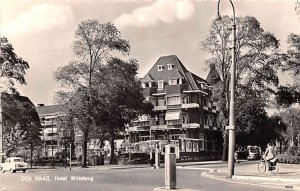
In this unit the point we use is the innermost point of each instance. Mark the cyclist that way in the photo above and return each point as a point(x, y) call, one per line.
point(270, 153)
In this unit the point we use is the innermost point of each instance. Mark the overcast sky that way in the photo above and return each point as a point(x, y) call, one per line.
point(42, 31)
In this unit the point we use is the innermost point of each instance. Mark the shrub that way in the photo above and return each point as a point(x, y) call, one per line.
point(290, 159)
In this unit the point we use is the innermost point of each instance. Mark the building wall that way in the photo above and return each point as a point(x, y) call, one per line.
point(193, 130)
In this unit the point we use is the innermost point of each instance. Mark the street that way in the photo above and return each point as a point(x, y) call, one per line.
point(112, 180)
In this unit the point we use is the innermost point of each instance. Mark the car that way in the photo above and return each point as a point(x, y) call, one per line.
point(14, 164)
point(254, 152)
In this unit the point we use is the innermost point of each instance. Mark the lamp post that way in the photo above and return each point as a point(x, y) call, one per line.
point(52, 144)
point(231, 127)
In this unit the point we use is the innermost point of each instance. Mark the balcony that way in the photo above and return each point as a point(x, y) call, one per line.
point(158, 127)
point(138, 128)
point(189, 105)
point(49, 138)
point(190, 125)
point(160, 108)
point(177, 106)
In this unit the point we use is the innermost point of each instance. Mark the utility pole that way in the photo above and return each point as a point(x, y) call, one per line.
point(231, 127)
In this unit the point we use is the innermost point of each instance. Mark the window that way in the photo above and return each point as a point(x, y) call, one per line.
point(183, 146)
point(144, 138)
point(173, 82)
point(195, 147)
point(170, 66)
point(185, 99)
point(143, 85)
point(201, 145)
point(176, 136)
point(205, 102)
point(189, 146)
point(159, 67)
point(174, 122)
point(206, 120)
point(160, 84)
point(185, 118)
point(175, 100)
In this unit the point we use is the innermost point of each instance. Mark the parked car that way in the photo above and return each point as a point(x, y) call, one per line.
point(14, 164)
point(254, 152)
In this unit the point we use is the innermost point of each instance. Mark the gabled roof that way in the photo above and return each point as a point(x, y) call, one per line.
point(176, 75)
point(165, 73)
point(51, 109)
point(147, 78)
point(178, 71)
point(17, 99)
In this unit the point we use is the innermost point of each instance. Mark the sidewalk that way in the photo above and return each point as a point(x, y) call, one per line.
point(288, 176)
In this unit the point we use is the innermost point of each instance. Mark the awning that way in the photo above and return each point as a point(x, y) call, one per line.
point(173, 115)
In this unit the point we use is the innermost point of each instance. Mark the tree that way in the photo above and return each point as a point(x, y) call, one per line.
point(13, 68)
point(94, 44)
point(31, 125)
point(21, 124)
point(297, 7)
point(290, 118)
point(122, 98)
point(256, 61)
point(292, 57)
point(288, 95)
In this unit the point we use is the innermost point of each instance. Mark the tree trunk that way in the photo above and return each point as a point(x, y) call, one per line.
point(225, 146)
point(112, 151)
point(84, 156)
point(31, 151)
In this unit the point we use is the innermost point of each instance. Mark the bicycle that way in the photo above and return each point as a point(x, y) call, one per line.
point(271, 166)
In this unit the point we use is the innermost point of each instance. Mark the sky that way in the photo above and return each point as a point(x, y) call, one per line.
point(42, 32)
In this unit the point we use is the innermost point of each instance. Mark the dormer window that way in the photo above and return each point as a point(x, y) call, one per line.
point(170, 66)
point(160, 67)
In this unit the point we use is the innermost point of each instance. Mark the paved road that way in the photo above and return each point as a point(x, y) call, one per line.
point(114, 180)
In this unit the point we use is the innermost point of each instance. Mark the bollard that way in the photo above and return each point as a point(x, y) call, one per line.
point(170, 167)
point(157, 159)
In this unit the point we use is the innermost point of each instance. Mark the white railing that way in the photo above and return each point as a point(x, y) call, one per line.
point(190, 125)
point(160, 107)
point(158, 127)
point(189, 105)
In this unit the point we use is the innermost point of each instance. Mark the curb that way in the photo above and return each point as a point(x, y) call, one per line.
point(177, 189)
point(236, 178)
point(272, 179)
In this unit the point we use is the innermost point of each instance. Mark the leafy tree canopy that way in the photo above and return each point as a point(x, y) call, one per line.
point(292, 58)
point(257, 59)
point(21, 123)
point(12, 67)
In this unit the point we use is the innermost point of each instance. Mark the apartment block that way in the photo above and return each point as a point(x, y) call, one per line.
point(185, 113)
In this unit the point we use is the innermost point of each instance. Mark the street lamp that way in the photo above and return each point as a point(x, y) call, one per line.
point(52, 143)
point(231, 127)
